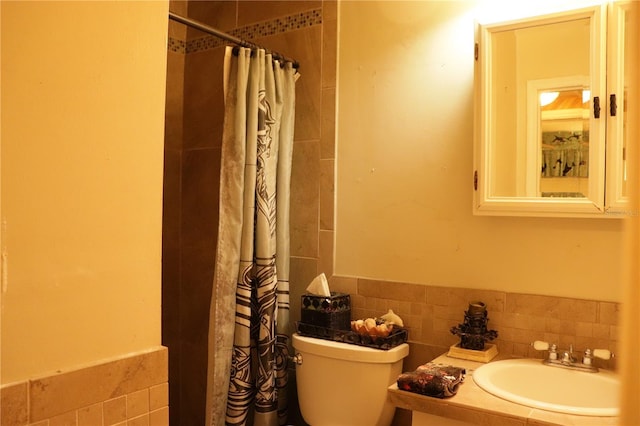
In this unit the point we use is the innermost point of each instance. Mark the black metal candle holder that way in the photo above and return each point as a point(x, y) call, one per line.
point(473, 332)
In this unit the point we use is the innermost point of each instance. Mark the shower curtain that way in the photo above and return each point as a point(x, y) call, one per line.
point(249, 320)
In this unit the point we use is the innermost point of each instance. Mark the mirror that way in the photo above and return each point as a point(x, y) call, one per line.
point(542, 111)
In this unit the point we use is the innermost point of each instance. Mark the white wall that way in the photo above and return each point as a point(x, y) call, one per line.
point(404, 167)
point(83, 88)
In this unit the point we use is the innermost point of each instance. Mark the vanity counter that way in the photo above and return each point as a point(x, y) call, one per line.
point(472, 405)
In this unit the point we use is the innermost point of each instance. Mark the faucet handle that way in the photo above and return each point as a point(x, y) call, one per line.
point(602, 353)
point(539, 345)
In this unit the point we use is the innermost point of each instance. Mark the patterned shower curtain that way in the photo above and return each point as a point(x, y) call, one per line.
point(249, 319)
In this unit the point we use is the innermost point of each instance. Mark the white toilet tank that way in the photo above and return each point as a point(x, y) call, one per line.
point(341, 384)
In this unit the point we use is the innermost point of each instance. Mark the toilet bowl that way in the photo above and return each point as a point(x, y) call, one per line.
point(341, 384)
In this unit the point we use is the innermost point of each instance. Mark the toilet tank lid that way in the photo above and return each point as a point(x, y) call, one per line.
point(346, 351)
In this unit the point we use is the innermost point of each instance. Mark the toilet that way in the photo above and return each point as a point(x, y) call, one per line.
point(341, 384)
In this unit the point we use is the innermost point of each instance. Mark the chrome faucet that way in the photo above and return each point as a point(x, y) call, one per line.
point(567, 359)
point(567, 356)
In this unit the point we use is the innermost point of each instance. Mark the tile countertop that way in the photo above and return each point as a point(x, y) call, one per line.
point(474, 405)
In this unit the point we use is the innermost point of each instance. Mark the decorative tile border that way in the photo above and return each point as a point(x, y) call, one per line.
point(176, 45)
point(250, 32)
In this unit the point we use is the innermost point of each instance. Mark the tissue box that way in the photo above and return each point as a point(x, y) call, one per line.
point(330, 312)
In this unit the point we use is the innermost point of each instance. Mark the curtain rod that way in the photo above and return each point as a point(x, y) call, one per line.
point(235, 40)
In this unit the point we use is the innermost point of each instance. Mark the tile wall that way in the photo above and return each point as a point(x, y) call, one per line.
point(429, 313)
point(127, 391)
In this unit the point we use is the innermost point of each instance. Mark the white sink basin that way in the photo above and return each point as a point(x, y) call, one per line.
point(531, 383)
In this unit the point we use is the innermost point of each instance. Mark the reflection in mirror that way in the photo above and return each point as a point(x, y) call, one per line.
point(564, 143)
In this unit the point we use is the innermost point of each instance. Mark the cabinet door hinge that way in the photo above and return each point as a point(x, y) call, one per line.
point(475, 180)
point(613, 105)
point(476, 51)
point(596, 107)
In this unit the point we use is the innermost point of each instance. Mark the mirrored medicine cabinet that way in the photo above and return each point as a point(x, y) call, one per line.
point(553, 95)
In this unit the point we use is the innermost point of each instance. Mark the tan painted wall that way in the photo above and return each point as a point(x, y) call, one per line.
point(404, 168)
point(83, 88)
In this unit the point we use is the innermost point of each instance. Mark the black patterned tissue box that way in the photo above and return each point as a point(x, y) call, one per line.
point(332, 312)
